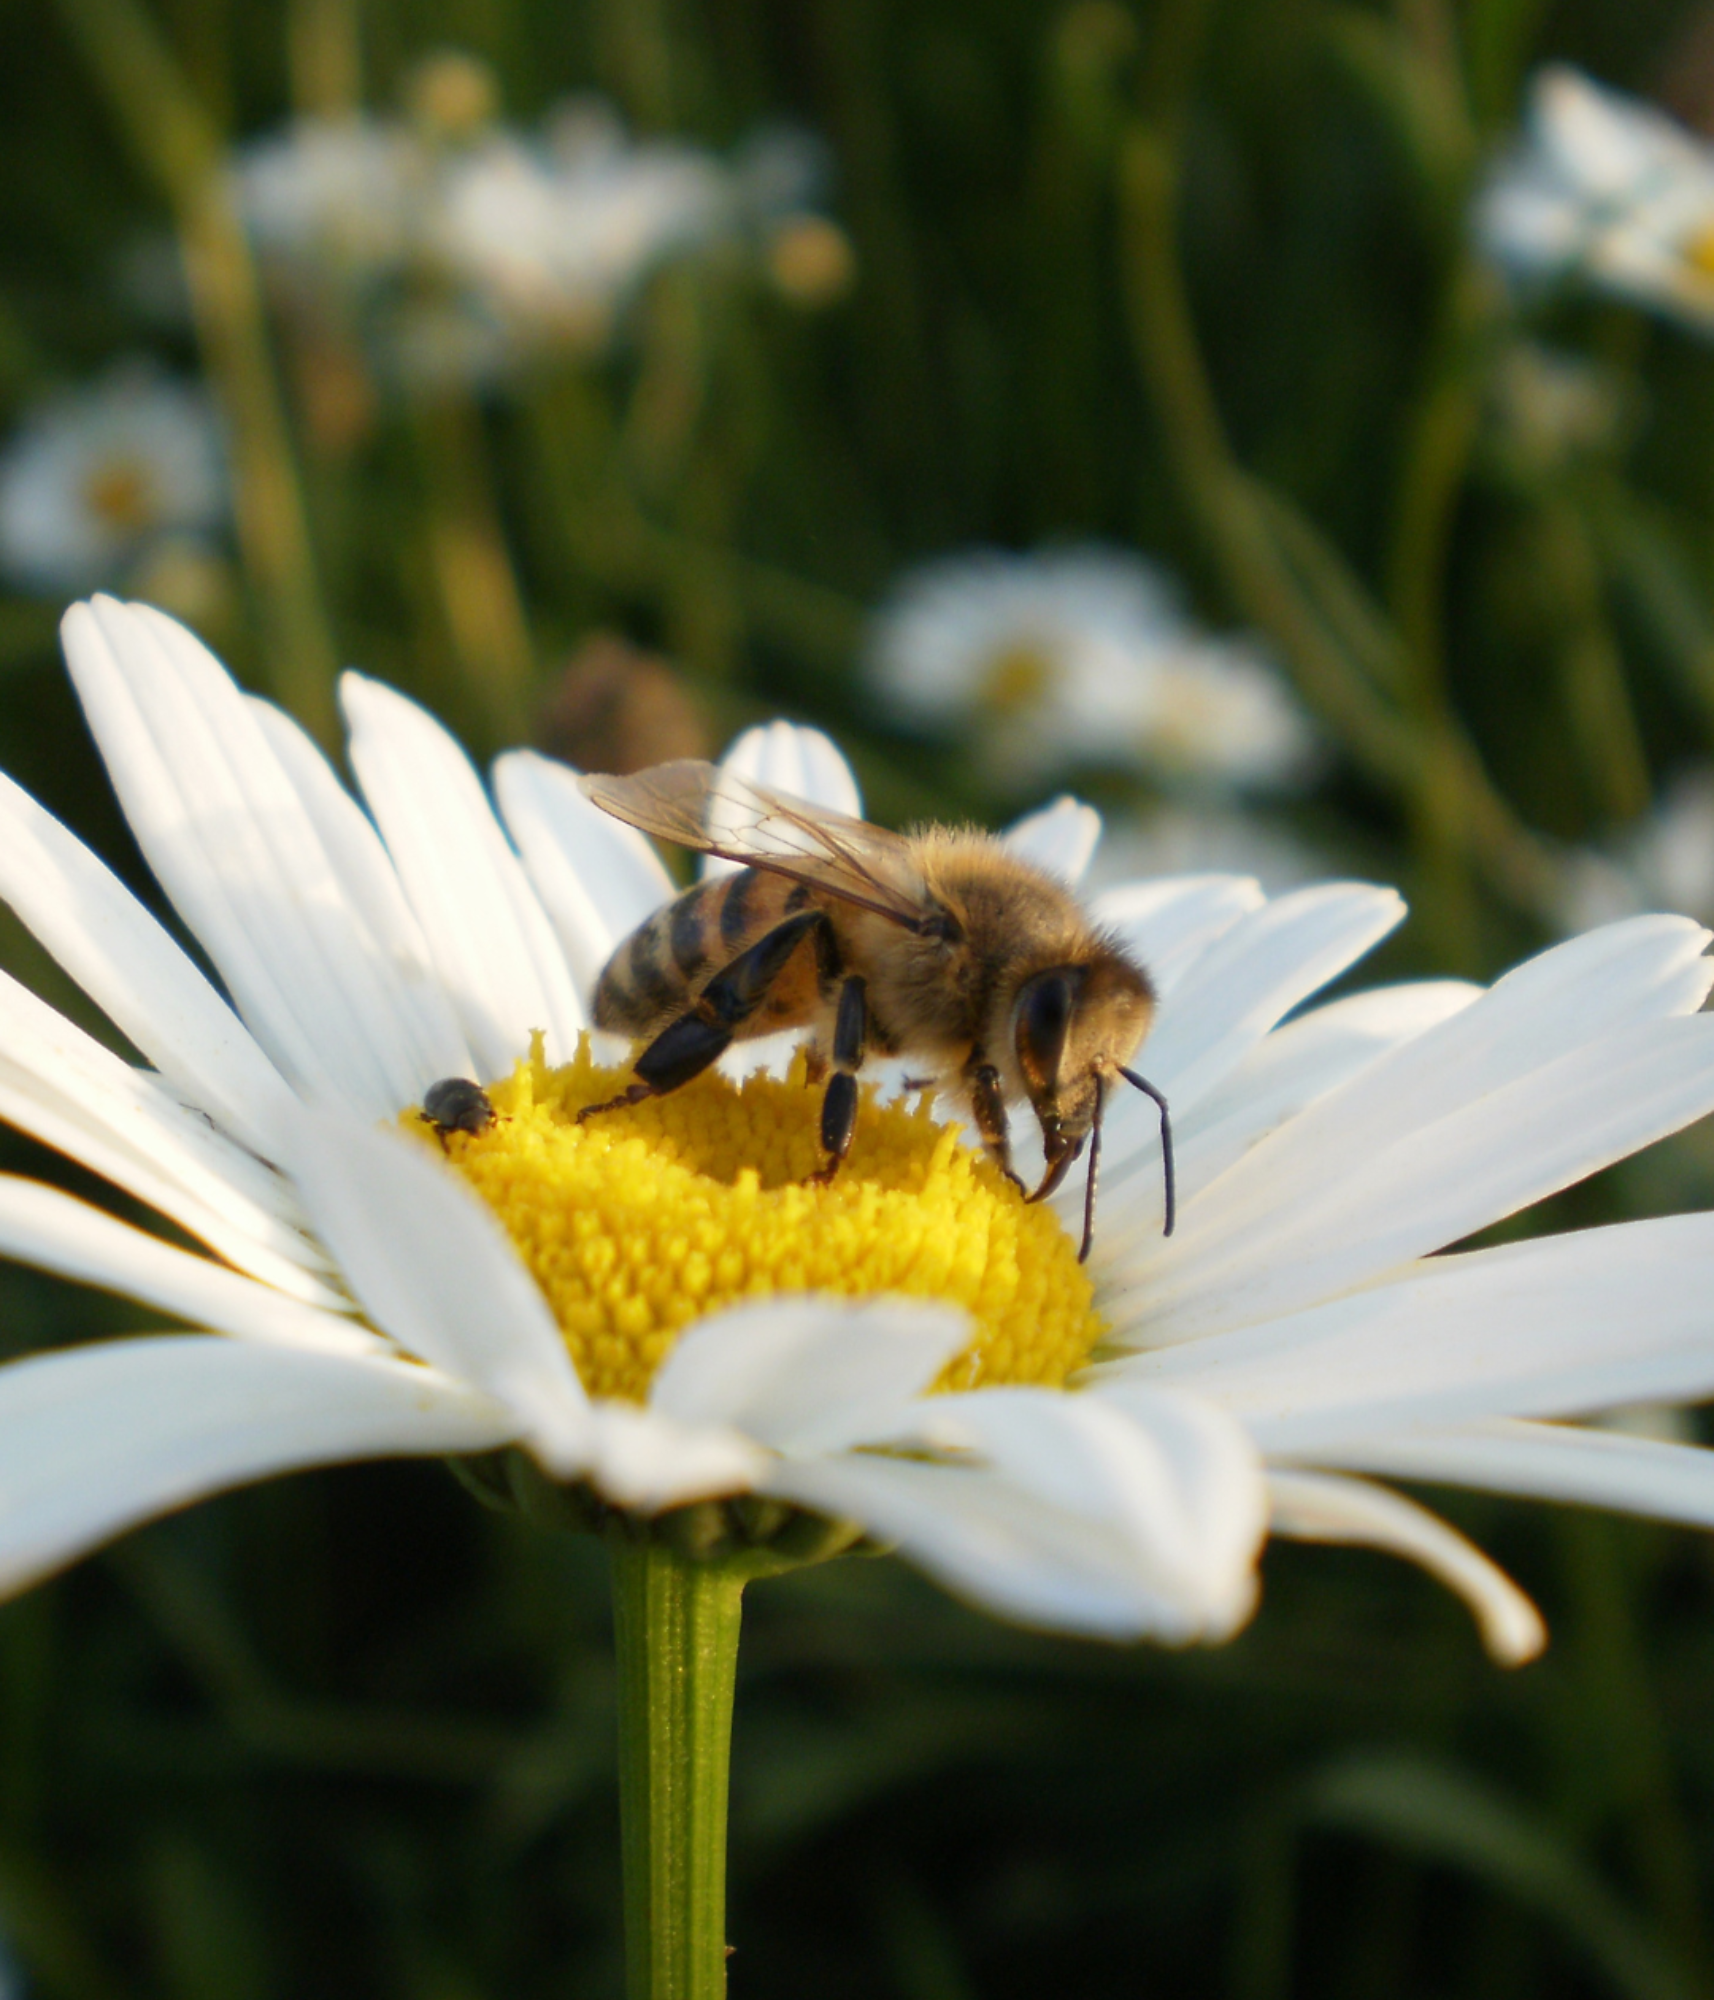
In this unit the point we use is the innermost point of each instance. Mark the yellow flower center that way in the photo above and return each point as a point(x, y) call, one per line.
point(122, 494)
point(1698, 252)
point(650, 1217)
point(1017, 679)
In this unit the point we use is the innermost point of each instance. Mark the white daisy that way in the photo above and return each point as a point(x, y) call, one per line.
point(101, 478)
point(1608, 189)
point(368, 1301)
point(328, 197)
point(1664, 862)
point(1081, 656)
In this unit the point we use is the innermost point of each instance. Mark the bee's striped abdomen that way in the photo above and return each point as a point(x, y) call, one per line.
point(667, 960)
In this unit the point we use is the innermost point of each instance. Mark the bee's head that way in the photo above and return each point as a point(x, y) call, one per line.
point(1072, 1027)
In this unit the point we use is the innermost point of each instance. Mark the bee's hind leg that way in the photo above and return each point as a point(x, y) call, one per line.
point(839, 1106)
point(686, 1047)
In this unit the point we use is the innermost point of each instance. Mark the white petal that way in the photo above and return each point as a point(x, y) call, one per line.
point(787, 757)
point(1281, 1077)
point(54, 1232)
point(431, 1045)
point(432, 1267)
point(1591, 1468)
point(1563, 1067)
point(1550, 1327)
point(643, 1460)
point(1060, 838)
point(94, 1440)
point(597, 878)
point(992, 1542)
point(228, 837)
point(492, 945)
point(807, 1375)
point(128, 965)
point(66, 1090)
point(1176, 1479)
point(1311, 1508)
point(1253, 976)
point(1172, 922)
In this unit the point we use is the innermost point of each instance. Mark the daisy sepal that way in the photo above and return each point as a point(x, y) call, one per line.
point(430, 1264)
point(492, 946)
point(1548, 1461)
point(98, 1439)
point(1496, 1108)
point(228, 838)
point(431, 1045)
point(1320, 1507)
point(63, 1088)
point(598, 878)
point(1060, 839)
point(1549, 1327)
point(121, 956)
point(56, 1232)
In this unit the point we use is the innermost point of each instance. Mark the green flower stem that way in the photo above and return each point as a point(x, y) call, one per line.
point(675, 1623)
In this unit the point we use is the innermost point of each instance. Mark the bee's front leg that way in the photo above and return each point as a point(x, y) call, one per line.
point(686, 1047)
point(988, 1107)
point(839, 1106)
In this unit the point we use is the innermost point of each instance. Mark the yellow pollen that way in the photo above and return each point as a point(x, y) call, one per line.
point(657, 1214)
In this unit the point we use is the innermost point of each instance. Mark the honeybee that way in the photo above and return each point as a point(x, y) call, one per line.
point(940, 945)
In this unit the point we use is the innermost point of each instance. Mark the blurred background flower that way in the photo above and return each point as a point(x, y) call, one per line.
point(1081, 658)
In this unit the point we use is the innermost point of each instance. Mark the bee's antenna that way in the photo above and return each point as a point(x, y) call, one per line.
point(1139, 1083)
point(1094, 1163)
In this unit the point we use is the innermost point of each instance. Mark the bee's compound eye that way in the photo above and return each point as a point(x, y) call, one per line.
point(1044, 1024)
point(455, 1104)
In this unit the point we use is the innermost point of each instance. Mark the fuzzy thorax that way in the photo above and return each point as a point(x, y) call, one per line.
point(650, 1217)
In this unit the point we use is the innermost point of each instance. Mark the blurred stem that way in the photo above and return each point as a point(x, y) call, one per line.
point(613, 540)
point(675, 1625)
point(1423, 757)
point(180, 149)
point(1636, 1759)
point(1603, 722)
point(472, 564)
point(325, 52)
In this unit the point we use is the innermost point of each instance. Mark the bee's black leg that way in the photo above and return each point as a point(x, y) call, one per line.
point(839, 1106)
point(686, 1047)
point(988, 1105)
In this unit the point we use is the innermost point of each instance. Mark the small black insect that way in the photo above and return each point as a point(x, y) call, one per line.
point(455, 1104)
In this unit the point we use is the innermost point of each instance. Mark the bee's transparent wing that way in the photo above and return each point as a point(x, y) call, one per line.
point(700, 806)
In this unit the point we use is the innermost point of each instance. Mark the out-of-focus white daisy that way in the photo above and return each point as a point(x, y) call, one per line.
point(100, 478)
point(1081, 656)
point(476, 243)
point(553, 237)
point(1665, 862)
point(334, 200)
point(1608, 190)
point(656, 1304)
point(1205, 840)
